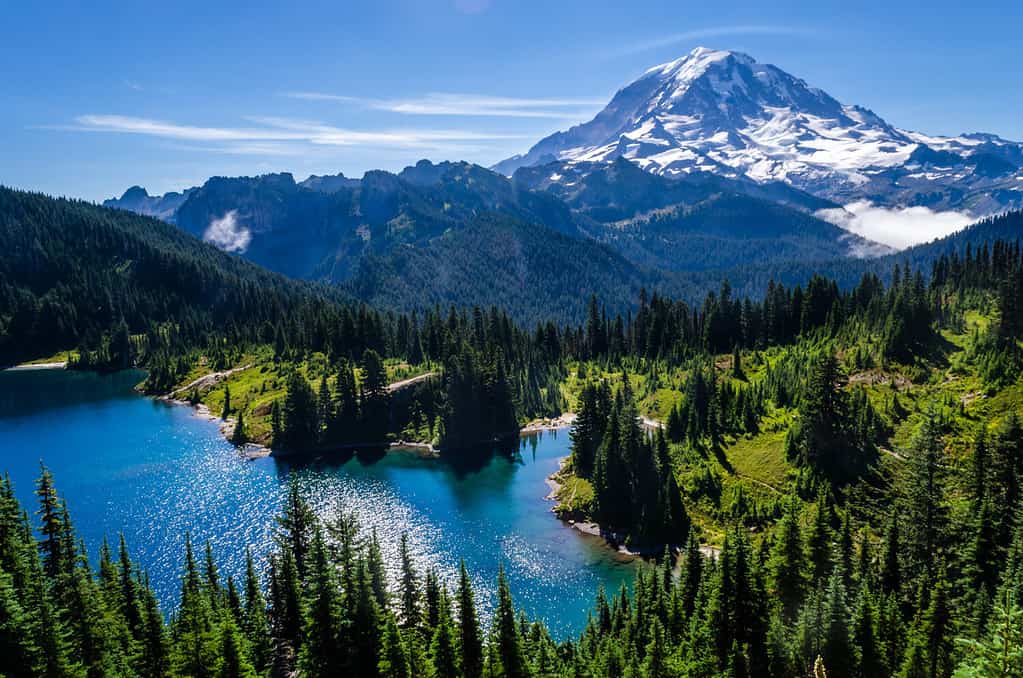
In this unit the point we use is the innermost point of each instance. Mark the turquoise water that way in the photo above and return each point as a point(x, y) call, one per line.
point(154, 472)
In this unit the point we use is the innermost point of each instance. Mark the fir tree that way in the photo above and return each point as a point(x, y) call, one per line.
point(787, 562)
point(443, 646)
point(411, 612)
point(393, 658)
point(469, 639)
point(256, 625)
point(226, 412)
point(506, 639)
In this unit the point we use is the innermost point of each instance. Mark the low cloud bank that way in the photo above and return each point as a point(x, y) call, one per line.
point(899, 227)
point(227, 234)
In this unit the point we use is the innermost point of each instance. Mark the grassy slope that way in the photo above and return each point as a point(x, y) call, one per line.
point(755, 465)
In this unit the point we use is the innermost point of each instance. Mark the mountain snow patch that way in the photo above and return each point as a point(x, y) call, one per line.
point(725, 113)
point(227, 234)
point(899, 227)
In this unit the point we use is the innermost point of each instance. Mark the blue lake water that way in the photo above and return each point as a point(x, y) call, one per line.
point(154, 471)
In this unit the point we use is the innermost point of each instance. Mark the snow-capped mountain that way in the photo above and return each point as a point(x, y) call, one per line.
point(723, 112)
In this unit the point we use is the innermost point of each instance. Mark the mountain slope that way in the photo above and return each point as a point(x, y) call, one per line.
point(137, 199)
point(530, 271)
point(323, 228)
point(72, 271)
point(451, 233)
point(725, 113)
point(752, 279)
point(695, 222)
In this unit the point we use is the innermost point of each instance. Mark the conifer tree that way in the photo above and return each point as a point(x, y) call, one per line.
point(925, 503)
point(737, 372)
point(323, 635)
point(787, 562)
point(393, 658)
point(256, 625)
point(469, 639)
point(239, 436)
point(411, 612)
point(655, 663)
point(374, 396)
point(818, 543)
point(296, 524)
point(443, 650)
point(195, 643)
point(233, 662)
point(52, 529)
point(506, 638)
point(930, 648)
point(366, 625)
point(891, 568)
point(864, 630)
point(287, 601)
point(837, 647)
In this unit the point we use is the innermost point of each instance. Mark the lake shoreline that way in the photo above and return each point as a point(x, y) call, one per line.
point(248, 450)
point(610, 539)
point(563, 420)
point(257, 451)
point(141, 466)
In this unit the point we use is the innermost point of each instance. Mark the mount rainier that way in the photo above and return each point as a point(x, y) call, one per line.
point(722, 112)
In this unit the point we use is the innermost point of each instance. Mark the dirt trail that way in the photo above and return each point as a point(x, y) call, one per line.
point(762, 483)
point(211, 379)
point(891, 453)
point(405, 383)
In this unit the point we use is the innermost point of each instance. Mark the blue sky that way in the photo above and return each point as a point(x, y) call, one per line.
point(95, 97)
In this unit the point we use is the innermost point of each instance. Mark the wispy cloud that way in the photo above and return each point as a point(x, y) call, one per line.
point(472, 6)
point(124, 124)
point(282, 136)
point(256, 148)
point(449, 104)
point(710, 32)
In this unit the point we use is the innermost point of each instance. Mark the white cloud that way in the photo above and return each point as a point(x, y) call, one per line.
point(272, 135)
point(478, 105)
point(711, 32)
point(169, 130)
point(899, 227)
point(227, 234)
point(322, 134)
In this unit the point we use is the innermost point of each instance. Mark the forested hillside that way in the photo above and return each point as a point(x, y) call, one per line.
point(753, 279)
point(428, 233)
point(533, 273)
point(74, 275)
point(117, 290)
point(828, 488)
point(693, 222)
point(835, 469)
point(845, 455)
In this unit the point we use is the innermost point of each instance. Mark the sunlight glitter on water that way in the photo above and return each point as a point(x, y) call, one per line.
point(155, 472)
